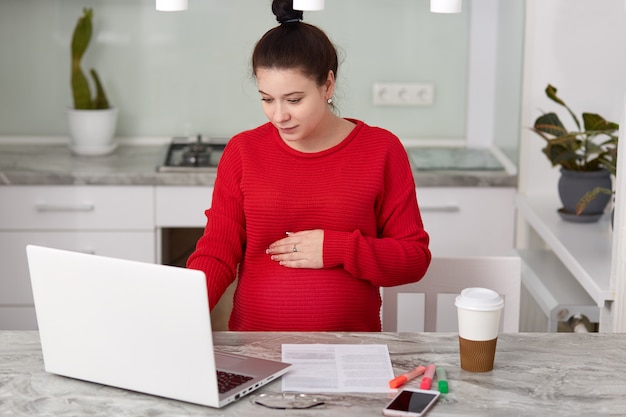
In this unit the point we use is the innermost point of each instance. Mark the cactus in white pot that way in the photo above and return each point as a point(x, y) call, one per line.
point(92, 121)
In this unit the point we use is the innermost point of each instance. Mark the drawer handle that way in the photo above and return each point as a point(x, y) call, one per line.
point(446, 208)
point(48, 208)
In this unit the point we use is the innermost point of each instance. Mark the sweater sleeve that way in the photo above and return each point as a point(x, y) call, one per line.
point(219, 251)
point(399, 254)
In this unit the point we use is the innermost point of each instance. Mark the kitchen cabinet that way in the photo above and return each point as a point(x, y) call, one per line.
point(133, 222)
point(460, 220)
point(468, 221)
point(179, 220)
point(182, 206)
point(113, 221)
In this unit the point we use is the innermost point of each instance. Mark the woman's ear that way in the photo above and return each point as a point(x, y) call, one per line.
point(330, 84)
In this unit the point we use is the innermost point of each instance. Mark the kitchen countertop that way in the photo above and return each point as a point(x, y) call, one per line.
point(535, 374)
point(135, 164)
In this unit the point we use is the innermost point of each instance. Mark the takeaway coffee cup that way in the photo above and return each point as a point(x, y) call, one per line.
point(479, 311)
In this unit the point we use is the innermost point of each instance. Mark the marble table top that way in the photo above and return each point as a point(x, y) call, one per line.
point(536, 374)
point(136, 164)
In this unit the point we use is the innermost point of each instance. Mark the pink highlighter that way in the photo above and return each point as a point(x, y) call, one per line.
point(427, 380)
point(404, 378)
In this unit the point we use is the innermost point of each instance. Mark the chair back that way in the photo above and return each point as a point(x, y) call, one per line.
point(428, 305)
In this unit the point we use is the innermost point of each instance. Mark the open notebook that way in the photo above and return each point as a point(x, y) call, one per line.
point(134, 325)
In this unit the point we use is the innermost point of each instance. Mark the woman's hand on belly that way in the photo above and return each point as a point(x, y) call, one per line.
point(299, 249)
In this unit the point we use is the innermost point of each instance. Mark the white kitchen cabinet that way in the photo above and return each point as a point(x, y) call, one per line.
point(104, 220)
point(180, 220)
point(468, 221)
point(178, 206)
point(77, 207)
point(460, 220)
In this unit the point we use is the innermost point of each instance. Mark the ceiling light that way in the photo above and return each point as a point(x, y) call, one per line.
point(171, 5)
point(446, 6)
point(308, 4)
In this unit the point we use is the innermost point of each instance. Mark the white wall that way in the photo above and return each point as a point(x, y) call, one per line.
point(508, 81)
point(482, 72)
point(579, 46)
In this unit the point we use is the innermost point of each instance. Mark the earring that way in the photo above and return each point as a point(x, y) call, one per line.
point(330, 101)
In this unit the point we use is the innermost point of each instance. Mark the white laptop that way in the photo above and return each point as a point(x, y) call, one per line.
point(139, 326)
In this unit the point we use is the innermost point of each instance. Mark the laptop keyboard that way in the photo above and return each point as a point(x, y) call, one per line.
point(227, 380)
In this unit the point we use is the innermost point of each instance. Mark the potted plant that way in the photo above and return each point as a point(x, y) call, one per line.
point(92, 121)
point(587, 157)
point(611, 166)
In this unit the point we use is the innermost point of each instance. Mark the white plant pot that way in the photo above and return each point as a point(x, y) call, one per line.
point(92, 131)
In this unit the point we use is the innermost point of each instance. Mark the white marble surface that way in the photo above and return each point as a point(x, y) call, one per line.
point(536, 374)
point(453, 158)
point(130, 164)
point(56, 165)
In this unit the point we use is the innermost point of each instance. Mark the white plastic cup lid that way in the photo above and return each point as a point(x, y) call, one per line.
point(479, 299)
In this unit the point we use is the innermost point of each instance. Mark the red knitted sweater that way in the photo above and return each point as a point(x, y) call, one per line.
point(360, 192)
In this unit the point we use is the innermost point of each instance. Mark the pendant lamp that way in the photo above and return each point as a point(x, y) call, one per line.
point(446, 6)
point(171, 5)
point(308, 4)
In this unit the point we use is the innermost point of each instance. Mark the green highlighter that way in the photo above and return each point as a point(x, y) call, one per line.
point(442, 380)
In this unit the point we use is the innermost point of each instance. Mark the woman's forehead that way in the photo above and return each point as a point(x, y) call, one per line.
point(281, 80)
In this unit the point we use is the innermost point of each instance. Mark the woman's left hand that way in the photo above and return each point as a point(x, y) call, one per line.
point(299, 249)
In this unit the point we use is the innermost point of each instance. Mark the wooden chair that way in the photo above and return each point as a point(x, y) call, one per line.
point(428, 305)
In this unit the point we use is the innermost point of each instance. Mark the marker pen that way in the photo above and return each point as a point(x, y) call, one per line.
point(442, 380)
point(427, 380)
point(406, 377)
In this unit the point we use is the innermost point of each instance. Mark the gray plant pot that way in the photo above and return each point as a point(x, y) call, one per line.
point(574, 184)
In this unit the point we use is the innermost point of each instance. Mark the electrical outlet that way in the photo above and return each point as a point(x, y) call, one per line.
point(403, 94)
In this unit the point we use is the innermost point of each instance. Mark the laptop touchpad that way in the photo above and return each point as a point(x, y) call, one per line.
point(227, 361)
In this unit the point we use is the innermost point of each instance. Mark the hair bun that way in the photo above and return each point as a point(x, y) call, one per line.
point(284, 12)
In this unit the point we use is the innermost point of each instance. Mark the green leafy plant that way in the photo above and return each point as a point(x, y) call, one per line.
point(80, 85)
point(589, 149)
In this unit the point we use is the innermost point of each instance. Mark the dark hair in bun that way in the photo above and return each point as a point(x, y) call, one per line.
point(284, 12)
point(295, 45)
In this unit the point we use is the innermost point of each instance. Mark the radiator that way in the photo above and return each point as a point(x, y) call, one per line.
point(551, 298)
